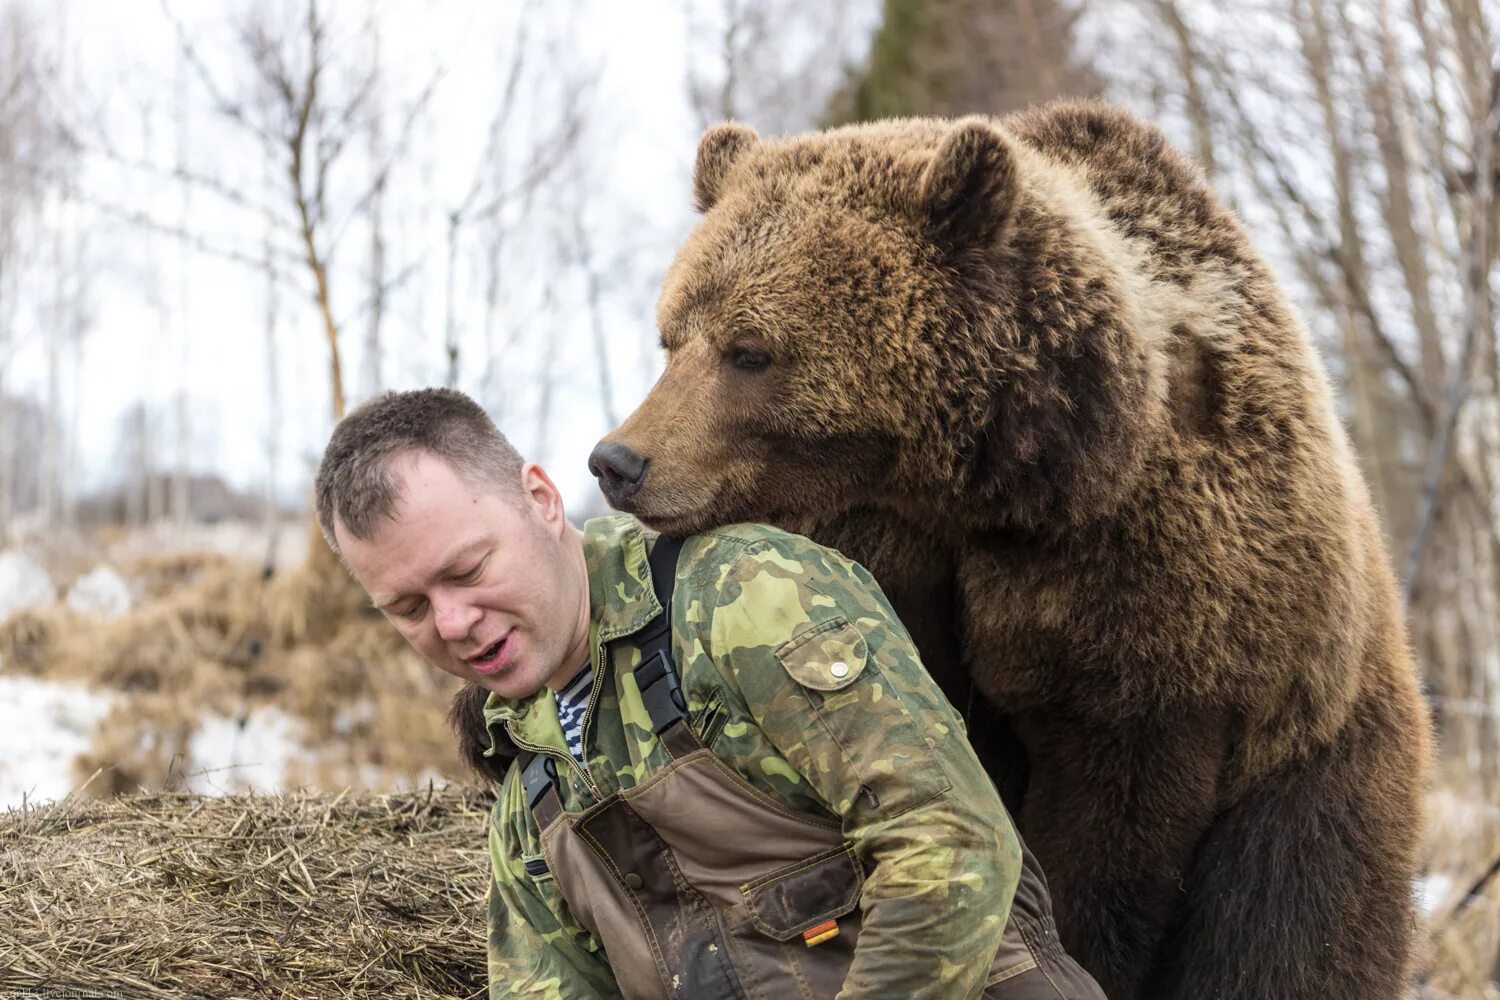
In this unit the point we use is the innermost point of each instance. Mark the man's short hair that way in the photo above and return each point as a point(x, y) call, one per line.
point(354, 482)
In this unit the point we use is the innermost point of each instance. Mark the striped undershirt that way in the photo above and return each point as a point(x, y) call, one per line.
point(571, 701)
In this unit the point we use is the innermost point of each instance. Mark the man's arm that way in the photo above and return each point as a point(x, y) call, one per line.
point(833, 680)
point(535, 948)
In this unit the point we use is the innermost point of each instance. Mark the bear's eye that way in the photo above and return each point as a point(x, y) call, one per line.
point(750, 359)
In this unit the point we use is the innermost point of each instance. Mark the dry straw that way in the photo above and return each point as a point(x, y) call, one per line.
point(213, 636)
point(297, 896)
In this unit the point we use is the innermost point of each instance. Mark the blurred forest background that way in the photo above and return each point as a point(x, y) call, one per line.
point(221, 225)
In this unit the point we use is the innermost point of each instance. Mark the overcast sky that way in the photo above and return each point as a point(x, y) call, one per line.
point(159, 315)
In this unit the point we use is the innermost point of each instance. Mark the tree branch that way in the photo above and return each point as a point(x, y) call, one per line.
point(1477, 317)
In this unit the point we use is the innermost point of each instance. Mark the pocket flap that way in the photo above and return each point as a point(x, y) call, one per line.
point(790, 900)
point(827, 657)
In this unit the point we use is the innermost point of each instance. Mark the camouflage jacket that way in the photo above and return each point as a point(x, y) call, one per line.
point(886, 756)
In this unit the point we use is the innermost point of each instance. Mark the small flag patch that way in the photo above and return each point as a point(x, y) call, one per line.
point(817, 935)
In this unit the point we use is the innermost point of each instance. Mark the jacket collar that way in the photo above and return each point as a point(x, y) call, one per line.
point(621, 602)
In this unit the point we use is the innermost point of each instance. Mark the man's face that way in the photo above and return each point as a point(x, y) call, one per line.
point(488, 587)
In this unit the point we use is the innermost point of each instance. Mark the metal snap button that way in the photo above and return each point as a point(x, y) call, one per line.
point(633, 881)
point(839, 669)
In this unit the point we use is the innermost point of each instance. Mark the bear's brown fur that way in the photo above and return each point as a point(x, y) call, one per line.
point(1032, 374)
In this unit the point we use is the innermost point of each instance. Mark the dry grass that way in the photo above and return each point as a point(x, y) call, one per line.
point(1463, 844)
point(213, 637)
point(297, 896)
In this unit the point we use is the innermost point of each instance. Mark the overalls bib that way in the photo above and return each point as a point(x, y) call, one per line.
point(700, 885)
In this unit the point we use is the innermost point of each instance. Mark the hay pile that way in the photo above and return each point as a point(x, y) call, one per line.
point(213, 637)
point(297, 896)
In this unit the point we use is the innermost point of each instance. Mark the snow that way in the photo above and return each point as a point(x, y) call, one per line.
point(251, 753)
point(24, 583)
point(1433, 892)
point(43, 726)
point(100, 592)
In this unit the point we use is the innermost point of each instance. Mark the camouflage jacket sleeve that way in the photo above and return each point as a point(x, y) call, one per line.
point(535, 948)
point(831, 676)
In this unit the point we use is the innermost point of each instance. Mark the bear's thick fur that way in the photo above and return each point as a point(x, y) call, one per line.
point(1032, 374)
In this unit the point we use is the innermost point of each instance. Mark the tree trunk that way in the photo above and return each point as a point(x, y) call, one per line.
point(450, 320)
point(272, 515)
point(1188, 68)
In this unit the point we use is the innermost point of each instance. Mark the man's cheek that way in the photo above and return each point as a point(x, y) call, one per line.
point(424, 642)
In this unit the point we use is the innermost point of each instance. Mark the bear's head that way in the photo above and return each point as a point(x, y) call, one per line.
point(890, 315)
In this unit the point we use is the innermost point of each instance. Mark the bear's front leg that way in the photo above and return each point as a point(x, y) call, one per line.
point(1113, 812)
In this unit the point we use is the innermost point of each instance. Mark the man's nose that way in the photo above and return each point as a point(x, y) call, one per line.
point(455, 620)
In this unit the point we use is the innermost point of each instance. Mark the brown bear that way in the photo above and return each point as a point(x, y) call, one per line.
point(1031, 373)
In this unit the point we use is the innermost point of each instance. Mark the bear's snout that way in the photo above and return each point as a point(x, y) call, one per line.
point(619, 469)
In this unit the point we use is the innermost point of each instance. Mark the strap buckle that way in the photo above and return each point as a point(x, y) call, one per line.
point(661, 691)
point(537, 777)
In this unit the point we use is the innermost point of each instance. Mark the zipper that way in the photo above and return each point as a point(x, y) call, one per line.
point(588, 716)
point(600, 669)
point(550, 752)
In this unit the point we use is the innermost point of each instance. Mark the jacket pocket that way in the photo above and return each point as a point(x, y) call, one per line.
point(790, 900)
point(878, 750)
point(710, 720)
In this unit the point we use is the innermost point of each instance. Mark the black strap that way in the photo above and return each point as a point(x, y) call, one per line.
point(663, 561)
point(656, 676)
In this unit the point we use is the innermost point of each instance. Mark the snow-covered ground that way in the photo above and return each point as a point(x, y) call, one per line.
point(24, 582)
point(43, 726)
point(234, 755)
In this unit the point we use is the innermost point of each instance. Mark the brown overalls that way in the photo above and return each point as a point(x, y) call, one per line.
point(700, 885)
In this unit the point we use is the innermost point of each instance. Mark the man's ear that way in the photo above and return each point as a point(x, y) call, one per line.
point(539, 491)
point(717, 151)
point(968, 190)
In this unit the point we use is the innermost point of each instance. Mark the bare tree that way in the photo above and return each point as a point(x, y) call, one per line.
point(313, 130)
point(772, 63)
point(23, 150)
point(308, 101)
point(521, 155)
point(64, 317)
point(272, 514)
point(377, 153)
point(177, 324)
point(1367, 147)
point(578, 250)
point(1188, 68)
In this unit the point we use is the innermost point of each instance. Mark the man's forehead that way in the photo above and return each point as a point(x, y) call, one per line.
point(415, 469)
point(434, 518)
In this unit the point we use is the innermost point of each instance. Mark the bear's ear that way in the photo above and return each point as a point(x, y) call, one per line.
point(717, 151)
point(968, 189)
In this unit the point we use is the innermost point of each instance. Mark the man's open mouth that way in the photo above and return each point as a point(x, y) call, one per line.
point(494, 657)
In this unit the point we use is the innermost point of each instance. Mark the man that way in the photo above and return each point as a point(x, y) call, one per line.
point(757, 792)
